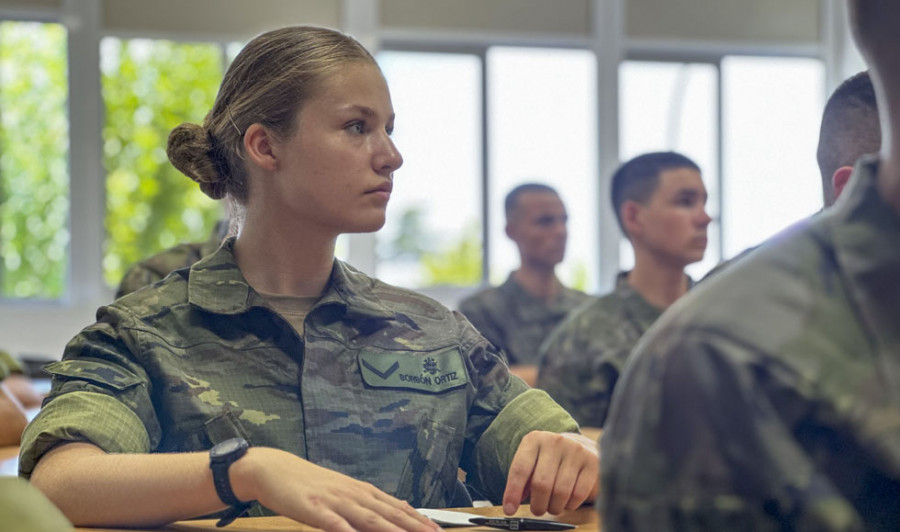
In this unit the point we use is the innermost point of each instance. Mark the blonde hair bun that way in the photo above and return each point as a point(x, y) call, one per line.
point(191, 151)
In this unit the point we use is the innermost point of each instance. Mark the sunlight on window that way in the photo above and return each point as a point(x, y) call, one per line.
point(672, 106)
point(432, 235)
point(542, 117)
point(772, 110)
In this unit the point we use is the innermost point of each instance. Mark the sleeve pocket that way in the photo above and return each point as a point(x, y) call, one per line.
point(107, 376)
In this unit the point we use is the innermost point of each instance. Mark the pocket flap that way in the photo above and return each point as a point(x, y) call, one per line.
point(430, 372)
point(105, 375)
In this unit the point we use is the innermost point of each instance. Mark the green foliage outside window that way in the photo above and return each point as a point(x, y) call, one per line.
point(149, 87)
point(34, 174)
point(453, 261)
point(459, 263)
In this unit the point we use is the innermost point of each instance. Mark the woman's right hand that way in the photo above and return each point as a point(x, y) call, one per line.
point(296, 488)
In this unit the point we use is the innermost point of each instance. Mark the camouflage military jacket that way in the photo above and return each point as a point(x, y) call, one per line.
point(515, 321)
point(582, 358)
point(769, 397)
point(156, 267)
point(385, 385)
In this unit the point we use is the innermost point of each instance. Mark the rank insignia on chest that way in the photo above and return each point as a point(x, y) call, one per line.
point(431, 372)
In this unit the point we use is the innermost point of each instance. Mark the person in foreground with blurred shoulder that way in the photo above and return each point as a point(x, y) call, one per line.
point(769, 397)
point(518, 315)
point(660, 204)
point(270, 376)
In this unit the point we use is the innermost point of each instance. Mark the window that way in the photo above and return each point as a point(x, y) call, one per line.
point(432, 235)
point(673, 106)
point(34, 175)
point(542, 114)
point(539, 131)
point(772, 108)
point(149, 87)
point(770, 113)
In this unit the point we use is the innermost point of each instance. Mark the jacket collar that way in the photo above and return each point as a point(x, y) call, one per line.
point(217, 285)
point(638, 308)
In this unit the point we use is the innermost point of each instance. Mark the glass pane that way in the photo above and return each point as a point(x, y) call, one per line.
point(432, 235)
point(34, 173)
point(542, 117)
point(149, 87)
point(672, 106)
point(772, 110)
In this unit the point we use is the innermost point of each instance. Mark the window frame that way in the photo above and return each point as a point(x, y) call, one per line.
point(86, 289)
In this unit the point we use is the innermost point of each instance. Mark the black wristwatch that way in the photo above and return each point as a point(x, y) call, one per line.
point(221, 456)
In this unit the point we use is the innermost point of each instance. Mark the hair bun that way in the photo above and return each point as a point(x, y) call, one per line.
point(190, 150)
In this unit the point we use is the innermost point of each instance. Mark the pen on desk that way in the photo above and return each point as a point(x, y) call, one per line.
point(520, 523)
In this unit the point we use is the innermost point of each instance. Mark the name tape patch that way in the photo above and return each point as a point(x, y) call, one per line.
point(433, 372)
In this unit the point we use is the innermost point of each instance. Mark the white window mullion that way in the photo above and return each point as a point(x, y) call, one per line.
point(608, 24)
point(82, 19)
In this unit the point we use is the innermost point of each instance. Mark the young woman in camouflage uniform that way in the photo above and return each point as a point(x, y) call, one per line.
point(359, 399)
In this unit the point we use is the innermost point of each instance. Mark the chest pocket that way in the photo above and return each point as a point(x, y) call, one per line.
point(434, 372)
point(429, 384)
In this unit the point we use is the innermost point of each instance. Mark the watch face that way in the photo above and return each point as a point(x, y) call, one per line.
point(227, 447)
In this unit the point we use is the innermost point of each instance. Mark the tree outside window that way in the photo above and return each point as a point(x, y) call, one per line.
point(34, 175)
point(149, 87)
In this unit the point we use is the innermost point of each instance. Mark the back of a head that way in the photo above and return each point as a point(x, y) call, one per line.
point(637, 179)
point(850, 129)
point(512, 199)
point(267, 83)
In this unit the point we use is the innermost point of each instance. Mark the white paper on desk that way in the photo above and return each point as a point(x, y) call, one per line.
point(448, 518)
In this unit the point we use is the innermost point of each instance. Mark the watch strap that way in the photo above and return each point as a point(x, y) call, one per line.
point(223, 483)
point(233, 513)
point(219, 464)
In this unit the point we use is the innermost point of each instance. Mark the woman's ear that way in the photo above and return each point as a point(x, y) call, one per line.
point(258, 145)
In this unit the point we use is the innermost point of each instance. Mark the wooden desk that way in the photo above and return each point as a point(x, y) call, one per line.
point(593, 433)
point(9, 461)
point(585, 517)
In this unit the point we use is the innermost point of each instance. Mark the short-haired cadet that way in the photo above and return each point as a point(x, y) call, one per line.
point(768, 399)
point(659, 200)
point(518, 315)
point(849, 130)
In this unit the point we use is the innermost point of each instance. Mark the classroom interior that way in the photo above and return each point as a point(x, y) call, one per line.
point(488, 94)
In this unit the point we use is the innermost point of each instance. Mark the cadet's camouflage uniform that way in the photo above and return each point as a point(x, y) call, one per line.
point(582, 358)
point(157, 267)
point(769, 397)
point(386, 385)
point(515, 321)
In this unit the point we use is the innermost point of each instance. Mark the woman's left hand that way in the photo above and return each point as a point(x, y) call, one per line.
point(558, 471)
